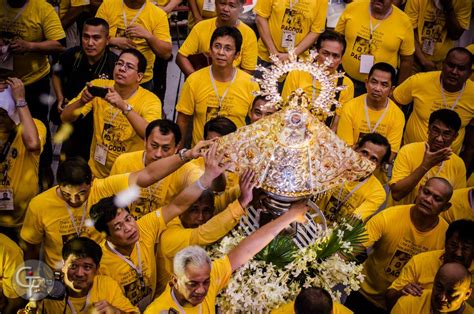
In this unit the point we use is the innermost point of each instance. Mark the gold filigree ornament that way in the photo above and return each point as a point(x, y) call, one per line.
point(293, 153)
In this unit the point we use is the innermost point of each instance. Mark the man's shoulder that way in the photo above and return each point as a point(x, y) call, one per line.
point(399, 16)
point(394, 212)
point(69, 56)
point(428, 257)
point(412, 147)
point(38, 202)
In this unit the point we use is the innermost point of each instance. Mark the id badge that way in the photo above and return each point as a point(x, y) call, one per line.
point(6, 58)
point(366, 63)
point(428, 46)
point(209, 5)
point(288, 39)
point(100, 154)
point(6, 198)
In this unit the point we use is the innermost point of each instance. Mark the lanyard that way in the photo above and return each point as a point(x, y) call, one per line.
point(437, 172)
point(134, 18)
point(4, 154)
point(373, 28)
point(180, 308)
point(292, 4)
point(455, 103)
point(71, 306)
point(17, 15)
point(221, 99)
point(351, 192)
point(73, 220)
point(139, 268)
point(366, 109)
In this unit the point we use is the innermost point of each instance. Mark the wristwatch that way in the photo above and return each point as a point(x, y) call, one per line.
point(21, 103)
point(127, 110)
point(181, 154)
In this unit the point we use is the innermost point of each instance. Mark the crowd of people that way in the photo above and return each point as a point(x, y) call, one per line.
point(98, 69)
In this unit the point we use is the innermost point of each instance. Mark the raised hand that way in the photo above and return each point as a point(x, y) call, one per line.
point(247, 182)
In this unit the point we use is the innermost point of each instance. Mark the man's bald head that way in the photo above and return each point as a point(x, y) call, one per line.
point(451, 288)
point(433, 197)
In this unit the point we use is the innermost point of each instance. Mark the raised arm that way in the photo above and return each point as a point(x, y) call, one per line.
point(71, 111)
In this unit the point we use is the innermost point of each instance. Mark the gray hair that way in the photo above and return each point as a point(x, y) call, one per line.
point(194, 255)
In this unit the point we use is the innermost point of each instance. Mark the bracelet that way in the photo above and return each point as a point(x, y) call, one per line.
point(199, 184)
point(181, 154)
point(21, 103)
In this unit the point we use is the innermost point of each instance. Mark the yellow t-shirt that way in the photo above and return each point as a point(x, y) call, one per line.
point(47, 219)
point(366, 198)
point(410, 157)
point(304, 80)
point(65, 5)
point(289, 308)
point(150, 227)
point(430, 23)
point(221, 273)
point(426, 100)
point(410, 304)
point(176, 237)
point(11, 257)
point(198, 99)
point(471, 49)
point(353, 125)
point(306, 16)
point(393, 37)
point(393, 246)
point(162, 192)
point(104, 288)
point(38, 22)
point(207, 12)
point(22, 167)
point(461, 207)
point(113, 130)
point(152, 18)
point(198, 41)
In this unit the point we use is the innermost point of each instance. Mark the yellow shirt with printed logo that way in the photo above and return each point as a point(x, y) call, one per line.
point(221, 273)
point(198, 41)
point(38, 22)
point(391, 38)
point(162, 192)
point(198, 99)
point(461, 207)
point(410, 157)
point(364, 201)
point(47, 219)
point(426, 100)
point(150, 227)
point(430, 23)
point(289, 308)
point(152, 18)
point(177, 237)
point(22, 167)
point(304, 80)
point(393, 246)
point(306, 16)
point(353, 125)
point(113, 130)
point(104, 288)
point(11, 257)
point(205, 11)
point(410, 304)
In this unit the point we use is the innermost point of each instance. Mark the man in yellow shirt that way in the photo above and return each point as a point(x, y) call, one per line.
point(197, 42)
point(364, 197)
point(141, 25)
point(86, 290)
point(62, 212)
point(329, 44)
point(197, 280)
point(374, 111)
point(121, 112)
point(451, 289)
point(416, 162)
point(419, 273)
point(462, 206)
point(129, 255)
point(259, 109)
point(375, 31)
point(161, 141)
point(437, 25)
point(11, 257)
point(21, 141)
point(284, 24)
point(449, 89)
point(418, 228)
point(218, 90)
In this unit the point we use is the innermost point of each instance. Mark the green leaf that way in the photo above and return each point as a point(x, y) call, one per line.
point(280, 252)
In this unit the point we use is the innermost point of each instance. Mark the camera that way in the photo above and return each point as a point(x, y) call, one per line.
point(58, 291)
point(98, 91)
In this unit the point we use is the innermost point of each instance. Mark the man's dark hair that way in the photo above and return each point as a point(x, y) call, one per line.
point(141, 58)
point(464, 230)
point(165, 126)
point(82, 247)
point(313, 300)
point(104, 212)
point(228, 31)
point(384, 67)
point(330, 35)
point(448, 117)
point(74, 171)
point(464, 51)
point(97, 21)
point(221, 125)
point(377, 139)
point(257, 98)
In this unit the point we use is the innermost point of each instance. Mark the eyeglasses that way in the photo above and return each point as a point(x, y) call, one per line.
point(435, 132)
point(127, 66)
